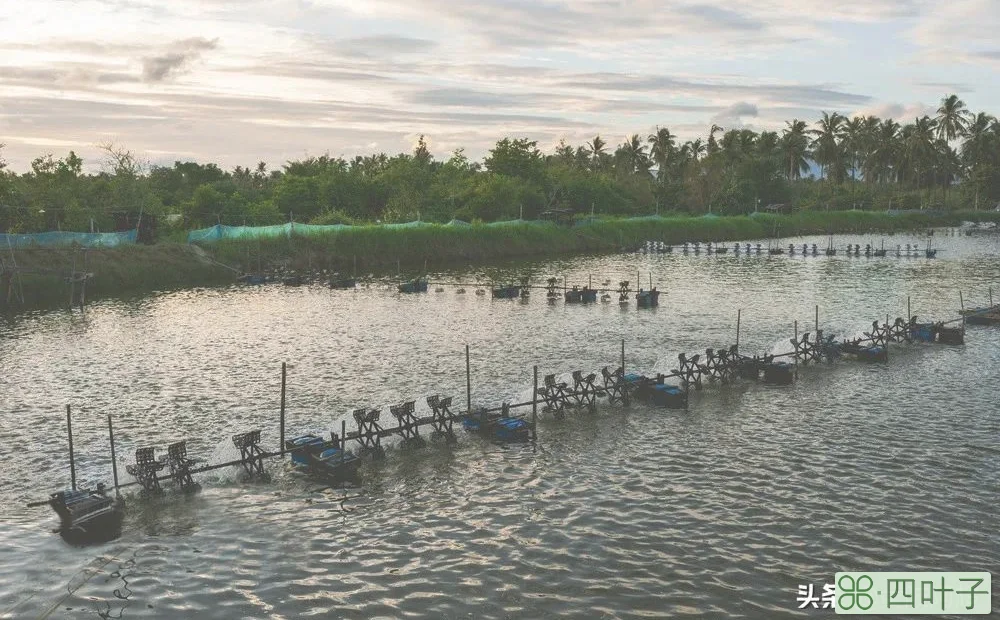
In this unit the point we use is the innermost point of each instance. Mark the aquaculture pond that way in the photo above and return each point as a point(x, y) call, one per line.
point(722, 510)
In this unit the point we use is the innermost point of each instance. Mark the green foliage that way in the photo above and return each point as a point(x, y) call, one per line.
point(951, 161)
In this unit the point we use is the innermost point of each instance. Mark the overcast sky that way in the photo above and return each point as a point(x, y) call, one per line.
point(272, 80)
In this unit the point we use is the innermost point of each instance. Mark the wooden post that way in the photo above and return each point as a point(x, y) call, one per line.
point(638, 281)
point(908, 314)
point(817, 319)
point(534, 406)
point(468, 382)
point(796, 350)
point(72, 460)
point(282, 415)
point(590, 283)
point(961, 303)
point(650, 280)
point(114, 459)
point(623, 358)
point(739, 312)
point(991, 297)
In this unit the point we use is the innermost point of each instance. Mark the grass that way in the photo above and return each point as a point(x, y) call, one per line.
point(374, 248)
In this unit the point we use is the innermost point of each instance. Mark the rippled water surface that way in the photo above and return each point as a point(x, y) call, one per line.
point(719, 511)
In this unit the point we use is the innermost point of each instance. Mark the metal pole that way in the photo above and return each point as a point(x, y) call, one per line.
point(114, 459)
point(908, 314)
point(534, 406)
point(343, 435)
point(72, 460)
point(623, 358)
point(281, 446)
point(468, 382)
point(991, 297)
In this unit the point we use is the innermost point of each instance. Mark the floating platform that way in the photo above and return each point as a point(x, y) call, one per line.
point(417, 285)
point(982, 316)
point(88, 516)
point(576, 295)
point(343, 283)
point(506, 292)
point(323, 459)
point(647, 299)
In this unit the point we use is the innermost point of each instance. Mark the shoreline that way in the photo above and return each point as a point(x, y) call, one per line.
point(141, 269)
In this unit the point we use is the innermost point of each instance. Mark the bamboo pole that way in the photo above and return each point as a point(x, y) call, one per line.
point(281, 434)
point(468, 382)
point(114, 459)
point(72, 459)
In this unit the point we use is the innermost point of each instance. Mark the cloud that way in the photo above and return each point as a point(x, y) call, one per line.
point(176, 58)
point(385, 45)
point(734, 113)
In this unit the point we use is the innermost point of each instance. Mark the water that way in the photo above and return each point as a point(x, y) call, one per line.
point(719, 511)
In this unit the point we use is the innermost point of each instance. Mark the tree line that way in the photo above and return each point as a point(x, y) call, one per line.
point(950, 160)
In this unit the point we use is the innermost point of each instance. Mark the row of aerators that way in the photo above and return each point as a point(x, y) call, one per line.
point(869, 250)
point(89, 515)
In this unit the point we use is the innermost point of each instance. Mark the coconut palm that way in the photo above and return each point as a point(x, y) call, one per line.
point(696, 148)
point(661, 150)
point(795, 149)
point(713, 146)
point(952, 118)
point(827, 148)
point(882, 164)
point(631, 156)
point(979, 145)
point(596, 149)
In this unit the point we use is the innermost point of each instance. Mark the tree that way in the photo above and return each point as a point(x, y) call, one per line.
point(519, 158)
point(795, 149)
point(661, 149)
point(595, 148)
point(827, 149)
point(952, 119)
point(421, 154)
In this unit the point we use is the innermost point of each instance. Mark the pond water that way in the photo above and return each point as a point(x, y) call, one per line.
point(718, 511)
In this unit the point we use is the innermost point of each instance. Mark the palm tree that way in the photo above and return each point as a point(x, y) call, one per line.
point(883, 162)
point(854, 143)
point(795, 148)
point(596, 149)
point(827, 148)
point(919, 152)
point(696, 148)
point(713, 146)
point(632, 155)
point(952, 118)
point(978, 148)
point(661, 150)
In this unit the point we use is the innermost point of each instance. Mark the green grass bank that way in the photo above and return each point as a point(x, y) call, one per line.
point(136, 270)
point(375, 249)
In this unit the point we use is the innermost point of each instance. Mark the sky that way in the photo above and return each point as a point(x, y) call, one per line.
point(275, 80)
